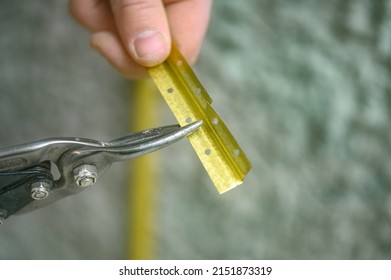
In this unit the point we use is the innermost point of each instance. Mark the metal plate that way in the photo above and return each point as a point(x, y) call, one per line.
point(214, 144)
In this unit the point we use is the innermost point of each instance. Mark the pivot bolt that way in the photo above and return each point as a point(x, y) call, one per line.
point(85, 175)
point(40, 190)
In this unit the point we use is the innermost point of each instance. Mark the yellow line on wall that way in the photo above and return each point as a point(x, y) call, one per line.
point(142, 181)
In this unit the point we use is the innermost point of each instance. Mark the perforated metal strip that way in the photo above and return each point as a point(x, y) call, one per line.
point(214, 144)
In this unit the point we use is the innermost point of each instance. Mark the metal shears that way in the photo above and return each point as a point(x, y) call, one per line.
point(39, 173)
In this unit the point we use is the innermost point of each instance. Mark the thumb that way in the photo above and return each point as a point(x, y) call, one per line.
point(143, 28)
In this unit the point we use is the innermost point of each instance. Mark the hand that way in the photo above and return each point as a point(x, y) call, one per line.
point(134, 34)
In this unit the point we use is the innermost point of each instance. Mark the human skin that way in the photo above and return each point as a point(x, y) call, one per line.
point(135, 34)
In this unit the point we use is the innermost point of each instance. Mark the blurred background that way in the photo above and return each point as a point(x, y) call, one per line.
point(304, 86)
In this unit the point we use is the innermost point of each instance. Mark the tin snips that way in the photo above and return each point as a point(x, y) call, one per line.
point(39, 173)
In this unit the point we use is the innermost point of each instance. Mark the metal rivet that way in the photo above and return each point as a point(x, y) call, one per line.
point(39, 190)
point(85, 175)
point(208, 152)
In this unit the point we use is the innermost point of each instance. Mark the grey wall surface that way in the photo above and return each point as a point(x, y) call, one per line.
point(305, 88)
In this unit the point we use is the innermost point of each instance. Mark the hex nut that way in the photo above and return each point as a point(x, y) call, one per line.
point(2, 216)
point(40, 190)
point(85, 175)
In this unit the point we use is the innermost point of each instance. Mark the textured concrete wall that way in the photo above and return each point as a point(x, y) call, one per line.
point(303, 85)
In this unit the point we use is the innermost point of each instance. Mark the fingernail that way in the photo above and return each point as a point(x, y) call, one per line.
point(149, 47)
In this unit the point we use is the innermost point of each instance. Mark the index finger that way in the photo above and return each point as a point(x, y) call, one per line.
point(188, 21)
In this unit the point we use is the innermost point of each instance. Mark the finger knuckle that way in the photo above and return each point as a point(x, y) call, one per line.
point(135, 6)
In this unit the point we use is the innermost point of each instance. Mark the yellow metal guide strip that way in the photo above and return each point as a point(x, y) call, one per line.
point(214, 144)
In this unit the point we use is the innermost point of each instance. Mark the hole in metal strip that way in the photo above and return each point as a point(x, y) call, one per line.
point(208, 152)
point(170, 90)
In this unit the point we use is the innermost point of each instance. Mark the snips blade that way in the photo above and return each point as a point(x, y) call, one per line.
point(134, 145)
